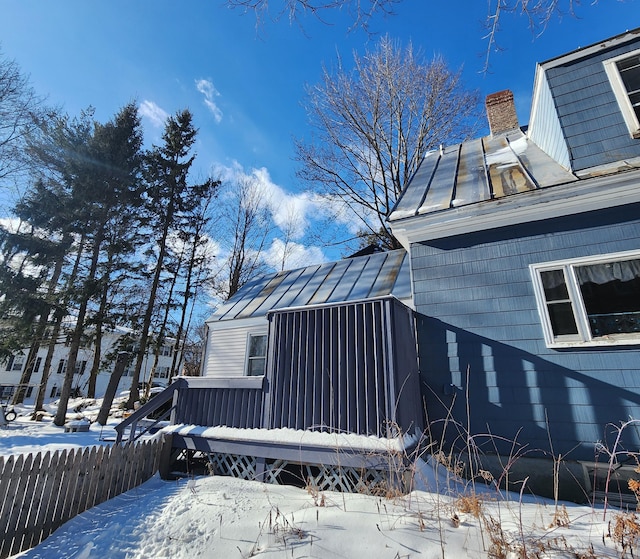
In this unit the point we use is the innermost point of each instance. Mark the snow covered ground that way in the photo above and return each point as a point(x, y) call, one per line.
point(218, 517)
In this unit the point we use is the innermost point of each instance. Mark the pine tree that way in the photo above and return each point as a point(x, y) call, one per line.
point(106, 183)
point(170, 196)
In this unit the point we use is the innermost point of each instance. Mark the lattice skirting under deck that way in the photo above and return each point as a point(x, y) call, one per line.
point(320, 477)
point(233, 465)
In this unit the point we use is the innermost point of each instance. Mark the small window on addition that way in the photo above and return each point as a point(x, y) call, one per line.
point(590, 301)
point(256, 354)
point(624, 75)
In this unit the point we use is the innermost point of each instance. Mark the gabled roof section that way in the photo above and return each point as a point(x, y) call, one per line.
point(579, 108)
point(352, 279)
point(478, 171)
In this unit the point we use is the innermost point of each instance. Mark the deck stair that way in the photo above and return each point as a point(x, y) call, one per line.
point(138, 423)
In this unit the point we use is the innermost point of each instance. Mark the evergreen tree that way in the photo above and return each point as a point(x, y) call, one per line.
point(106, 184)
point(170, 197)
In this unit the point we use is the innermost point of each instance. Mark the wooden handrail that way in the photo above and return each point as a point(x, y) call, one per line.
point(149, 407)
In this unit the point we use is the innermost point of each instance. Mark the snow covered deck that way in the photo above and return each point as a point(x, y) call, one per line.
point(226, 415)
point(298, 446)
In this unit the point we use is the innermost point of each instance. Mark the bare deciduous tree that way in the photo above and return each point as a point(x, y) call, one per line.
point(245, 226)
point(373, 125)
point(361, 11)
point(537, 12)
point(20, 108)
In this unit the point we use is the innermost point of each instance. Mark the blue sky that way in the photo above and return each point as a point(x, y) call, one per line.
point(244, 83)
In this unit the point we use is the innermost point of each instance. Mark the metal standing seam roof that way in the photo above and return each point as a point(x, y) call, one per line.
point(477, 171)
point(351, 279)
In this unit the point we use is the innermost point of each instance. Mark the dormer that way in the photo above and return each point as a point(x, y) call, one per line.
point(586, 107)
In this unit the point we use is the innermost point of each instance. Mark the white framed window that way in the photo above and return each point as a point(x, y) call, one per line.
point(624, 75)
point(162, 372)
point(589, 301)
point(256, 355)
point(15, 362)
point(81, 367)
point(166, 351)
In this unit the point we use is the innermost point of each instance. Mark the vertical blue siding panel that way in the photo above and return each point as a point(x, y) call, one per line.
point(333, 370)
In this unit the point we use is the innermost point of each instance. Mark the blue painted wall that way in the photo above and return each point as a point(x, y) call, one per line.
point(478, 320)
point(589, 113)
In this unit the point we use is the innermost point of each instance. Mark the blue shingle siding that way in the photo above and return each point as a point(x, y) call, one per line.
point(588, 110)
point(477, 313)
point(606, 110)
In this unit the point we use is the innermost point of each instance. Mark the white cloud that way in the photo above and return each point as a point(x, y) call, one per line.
point(290, 212)
point(289, 256)
point(207, 89)
point(334, 208)
point(154, 113)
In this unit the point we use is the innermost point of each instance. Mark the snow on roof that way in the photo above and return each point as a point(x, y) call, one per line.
point(477, 171)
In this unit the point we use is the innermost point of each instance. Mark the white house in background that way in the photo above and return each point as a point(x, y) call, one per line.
point(11, 370)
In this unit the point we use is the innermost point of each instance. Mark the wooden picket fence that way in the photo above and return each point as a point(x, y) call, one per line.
point(39, 493)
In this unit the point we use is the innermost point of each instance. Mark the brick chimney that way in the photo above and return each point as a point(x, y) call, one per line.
point(501, 112)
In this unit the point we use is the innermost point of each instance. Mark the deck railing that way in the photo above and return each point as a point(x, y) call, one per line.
point(230, 402)
point(151, 406)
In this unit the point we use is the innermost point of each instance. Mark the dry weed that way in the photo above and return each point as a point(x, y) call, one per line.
point(499, 547)
point(486, 476)
point(387, 490)
point(449, 462)
point(625, 532)
point(280, 526)
point(503, 545)
point(634, 486)
point(469, 504)
point(589, 553)
point(316, 495)
point(560, 518)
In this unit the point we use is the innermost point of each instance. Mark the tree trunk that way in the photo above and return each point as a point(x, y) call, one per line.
point(39, 334)
point(95, 365)
point(58, 315)
point(134, 395)
point(185, 303)
point(46, 370)
point(114, 381)
point(61, 413)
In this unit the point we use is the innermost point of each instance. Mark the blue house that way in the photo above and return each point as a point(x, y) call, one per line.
point(505, 334)
point(525, 264)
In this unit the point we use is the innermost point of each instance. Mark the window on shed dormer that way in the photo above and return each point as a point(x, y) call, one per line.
point(256, 354)
point(624, 76)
